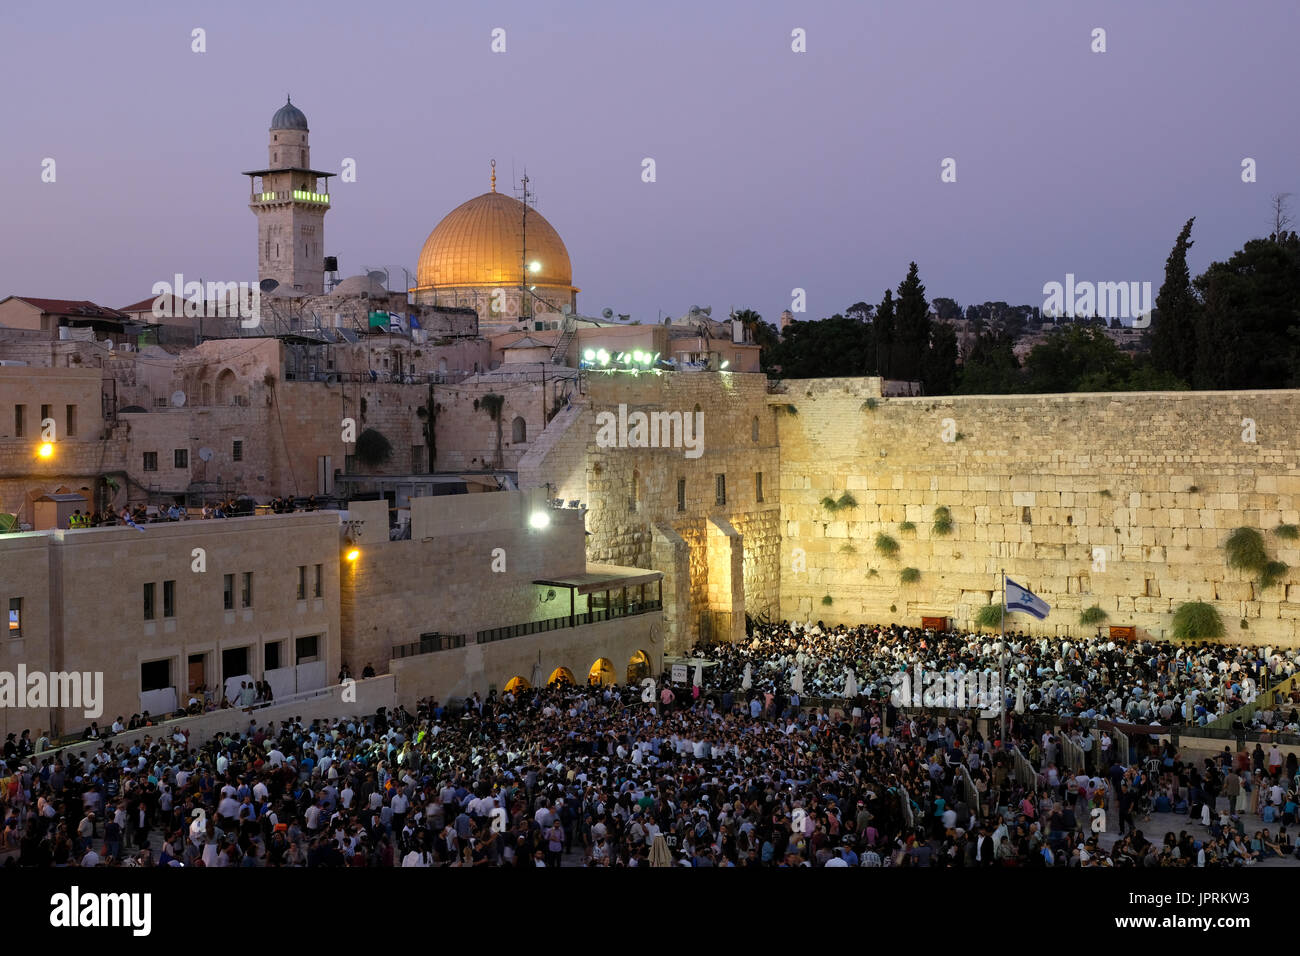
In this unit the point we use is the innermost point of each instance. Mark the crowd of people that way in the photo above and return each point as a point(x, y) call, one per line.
point(1145, 682)
point(226, 508)
point(631, 776)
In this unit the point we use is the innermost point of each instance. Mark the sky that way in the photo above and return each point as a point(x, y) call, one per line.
point(774, 170)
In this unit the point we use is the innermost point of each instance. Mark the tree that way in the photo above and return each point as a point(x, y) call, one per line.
point(493, 403)
point(941, 361)
point(761, 333)
point(991, 367)
point(885, 332)
point(1281, 217)
point(1250, 314)
point(946, 309)
point(912, 322)
point(1173, 336)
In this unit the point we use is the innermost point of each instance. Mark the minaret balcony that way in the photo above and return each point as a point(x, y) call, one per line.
point(292, 195)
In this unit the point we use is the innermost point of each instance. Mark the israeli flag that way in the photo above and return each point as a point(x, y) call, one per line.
point(132, 524)
point(1023, 599)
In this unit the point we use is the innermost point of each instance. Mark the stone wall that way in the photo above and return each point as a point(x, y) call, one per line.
point(630, 491)
point(1119, 500)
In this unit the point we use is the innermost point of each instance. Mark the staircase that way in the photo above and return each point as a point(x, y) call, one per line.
point(561, 350)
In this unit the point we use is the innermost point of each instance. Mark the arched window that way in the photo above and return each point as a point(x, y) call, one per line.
point(518, 431)
point(226, 387)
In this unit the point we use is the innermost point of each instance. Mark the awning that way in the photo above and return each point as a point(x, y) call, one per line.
point(603, 577)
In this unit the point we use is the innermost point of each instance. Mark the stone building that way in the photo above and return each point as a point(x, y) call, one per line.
point(290, 200)
point(160, 612)
point(500, 257)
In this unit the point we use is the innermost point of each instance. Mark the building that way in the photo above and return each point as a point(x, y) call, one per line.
point(500, 257)
point(290, 200)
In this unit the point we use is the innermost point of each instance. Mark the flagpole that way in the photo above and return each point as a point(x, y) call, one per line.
point(1002, 659)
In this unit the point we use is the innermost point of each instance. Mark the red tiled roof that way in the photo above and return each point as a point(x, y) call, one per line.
point(77, 307)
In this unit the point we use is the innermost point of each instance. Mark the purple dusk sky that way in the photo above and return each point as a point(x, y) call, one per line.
point(775, 169)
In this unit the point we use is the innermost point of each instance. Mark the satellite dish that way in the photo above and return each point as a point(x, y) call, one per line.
point(178, 398)
point(566, 309)
point(376, 276)
point(269, 285)
point(205, 454)
point(607, 313)
point(707, 310)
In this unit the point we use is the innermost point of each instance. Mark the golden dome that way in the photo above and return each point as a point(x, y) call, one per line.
point(481, 243)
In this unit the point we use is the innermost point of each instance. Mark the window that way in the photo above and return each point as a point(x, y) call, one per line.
point(758, 485)
point(306, 649)
point(319, 570)
point(149, 601)
point(237, 450)
point(753, 429)
point(634, 499)
point(302, 582)
point(71, 428)
point(151, 461)
point(518, 431)
point(169, 599)
point(20, 420)
point(247, 597)
point(681, 494)
point(228, 592)
point(721, 485)
point(271, 656)
point(182, 457)
point(155, 675)
point(45, 413)
point(15, 617)
point(417, 459)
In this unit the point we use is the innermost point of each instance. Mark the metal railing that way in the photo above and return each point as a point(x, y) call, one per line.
point(969, 791)
point(1120, 746)
point(1071, 755)
point(429, 644)
point(493, 634)
point(1023, 771)
point(1268, 698)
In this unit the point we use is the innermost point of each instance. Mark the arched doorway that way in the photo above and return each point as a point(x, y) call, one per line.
point(516, 685)
point(602, 673)
point(638, 667)
point(518, 431)
point(561, 675)
point(226, 387)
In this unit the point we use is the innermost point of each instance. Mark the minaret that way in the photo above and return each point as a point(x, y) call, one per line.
point(290, 203)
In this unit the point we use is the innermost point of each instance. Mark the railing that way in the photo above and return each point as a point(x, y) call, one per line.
point(1268, 698)
point(969, 791)
point(1071, 754)
point(1024, 771)
point(494, 634)
point(428, 644)
point(1119, 744)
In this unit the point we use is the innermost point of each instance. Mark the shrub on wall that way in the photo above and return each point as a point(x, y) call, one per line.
point(907, 526)
point(1288, 531)
point(1272, 573)
point(909, 575)
point(1092, 616)
point(1197, 620)
point(942, 521)
point(1245, 549)
point(990, 615)
point(886, 545)
point(826, 600)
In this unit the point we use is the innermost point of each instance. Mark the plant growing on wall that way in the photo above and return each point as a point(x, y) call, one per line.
point(870, 405)
point(847, 548)
point(1272, 573)
point(788, 409)
point(373, 449)
point(1092, 616)
point(942, 521)
point(990, 616)
point(1105, 492)
point(844, 502)
point(872, 572)
point(907, 526)
point(1197, 620)
point(1245, 550)
point(909, 575)
point(1289, 532)
point(886, 545)
point(826, 600)
point(493, 403)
